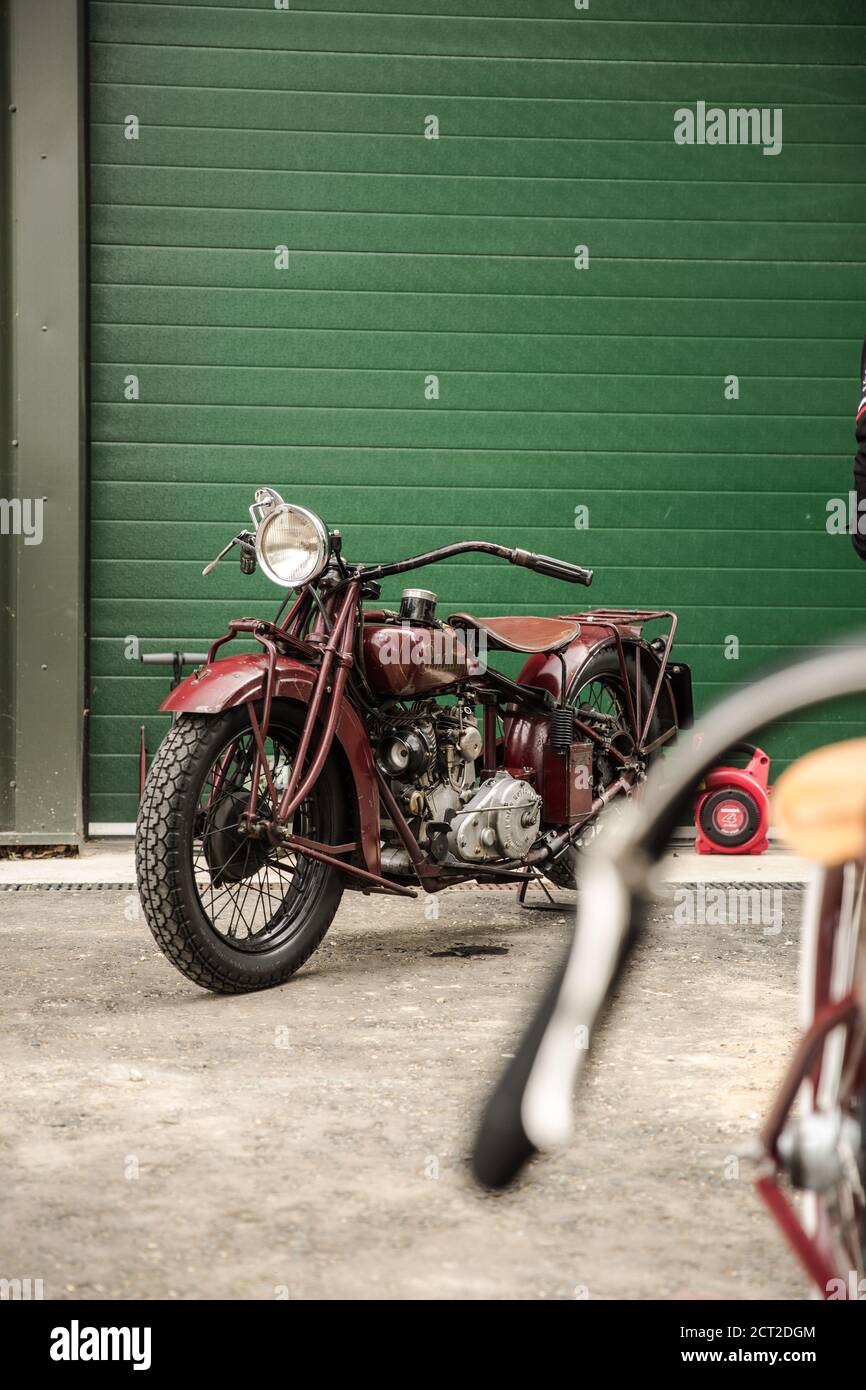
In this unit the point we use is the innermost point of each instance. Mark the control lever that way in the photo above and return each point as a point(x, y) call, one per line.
point(244, 538)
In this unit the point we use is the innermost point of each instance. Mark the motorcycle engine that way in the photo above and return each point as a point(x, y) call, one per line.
point(428, 753)
point(501, 821)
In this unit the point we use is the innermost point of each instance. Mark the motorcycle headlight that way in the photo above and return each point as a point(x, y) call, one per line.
point(292, 545)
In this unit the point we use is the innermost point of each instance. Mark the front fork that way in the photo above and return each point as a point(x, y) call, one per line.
point(325, 705)
point(335, 651)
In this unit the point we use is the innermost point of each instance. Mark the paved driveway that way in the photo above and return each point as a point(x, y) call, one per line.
point(309, 1142)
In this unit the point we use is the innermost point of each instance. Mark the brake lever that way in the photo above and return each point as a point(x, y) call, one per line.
point(242, 538)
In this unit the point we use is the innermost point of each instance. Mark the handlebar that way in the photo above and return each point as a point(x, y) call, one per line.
point(503, 1145)
point(543, 564)
point(549, 565)
point(531, 1107)
point(170, 658)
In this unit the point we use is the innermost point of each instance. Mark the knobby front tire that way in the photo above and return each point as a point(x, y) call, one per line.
point(233, 915)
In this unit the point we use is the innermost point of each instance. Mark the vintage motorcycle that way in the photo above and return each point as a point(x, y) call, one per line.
point(348, 752)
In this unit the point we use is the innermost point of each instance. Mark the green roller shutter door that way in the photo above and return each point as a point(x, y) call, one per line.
point(430, 358)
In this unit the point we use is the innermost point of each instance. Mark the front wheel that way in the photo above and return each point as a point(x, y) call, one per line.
point(232, 913)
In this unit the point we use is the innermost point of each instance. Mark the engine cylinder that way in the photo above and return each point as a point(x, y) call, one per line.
point(407, 754)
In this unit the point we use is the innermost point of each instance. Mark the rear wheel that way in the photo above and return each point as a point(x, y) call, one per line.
point(598, 694)
point(233, 913)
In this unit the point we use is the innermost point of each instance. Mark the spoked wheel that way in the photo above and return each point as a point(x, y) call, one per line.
point(598, 695)
point(833, 1101)
point(249, 890)
point(601, 703)
point(233, 912)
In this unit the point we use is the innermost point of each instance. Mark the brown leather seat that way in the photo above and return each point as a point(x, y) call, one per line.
point(521, 634)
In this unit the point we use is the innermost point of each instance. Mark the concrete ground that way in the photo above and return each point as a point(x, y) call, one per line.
point(310, 1142)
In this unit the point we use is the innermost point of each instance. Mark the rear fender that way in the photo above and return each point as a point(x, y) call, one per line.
point(526, 734)
point(544, 669)
point(235, 680)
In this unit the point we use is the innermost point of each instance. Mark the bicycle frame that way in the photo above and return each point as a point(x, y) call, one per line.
point(828, 1069)
point(531, 1108)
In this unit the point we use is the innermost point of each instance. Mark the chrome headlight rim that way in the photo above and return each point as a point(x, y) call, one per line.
point(321, 534)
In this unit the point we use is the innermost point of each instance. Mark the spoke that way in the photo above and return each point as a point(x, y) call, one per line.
point(235, 825)
point(247, 889)
point(261, 887)
point(228, 901)
point(281, 868)
point(238, 910)
point(226, 862)
point(261, 900)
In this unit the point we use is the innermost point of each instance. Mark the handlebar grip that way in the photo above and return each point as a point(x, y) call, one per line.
point(502, 1146)
point(532, 1106)
point(555, 569)
point(168, 658)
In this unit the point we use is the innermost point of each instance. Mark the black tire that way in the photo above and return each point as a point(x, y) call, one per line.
point(173, 843)
point(603, 667)
point(603, 670)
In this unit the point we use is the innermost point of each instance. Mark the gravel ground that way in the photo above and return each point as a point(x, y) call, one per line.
point(309, 1142)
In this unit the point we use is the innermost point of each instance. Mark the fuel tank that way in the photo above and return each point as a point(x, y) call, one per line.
point(405, 661)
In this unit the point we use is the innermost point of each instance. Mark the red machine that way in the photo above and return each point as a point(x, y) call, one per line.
point(732, 813)
point(347, 750)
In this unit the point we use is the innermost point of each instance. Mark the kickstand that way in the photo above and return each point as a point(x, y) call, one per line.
point(550, 906)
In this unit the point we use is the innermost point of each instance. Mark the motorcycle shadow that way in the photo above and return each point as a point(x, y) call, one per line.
point(377, 936)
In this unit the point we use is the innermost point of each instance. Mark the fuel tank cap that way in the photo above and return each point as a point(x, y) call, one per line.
point(418, 606)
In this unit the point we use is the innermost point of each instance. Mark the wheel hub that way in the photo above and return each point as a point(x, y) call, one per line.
point(230, 853)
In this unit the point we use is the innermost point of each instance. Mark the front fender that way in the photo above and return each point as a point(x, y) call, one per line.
point(235, 680)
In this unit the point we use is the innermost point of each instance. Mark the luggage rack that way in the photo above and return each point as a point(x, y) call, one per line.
point(634, 616)
point(615, 619)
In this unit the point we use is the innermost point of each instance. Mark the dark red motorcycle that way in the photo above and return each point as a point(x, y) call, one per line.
point(348, 752)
